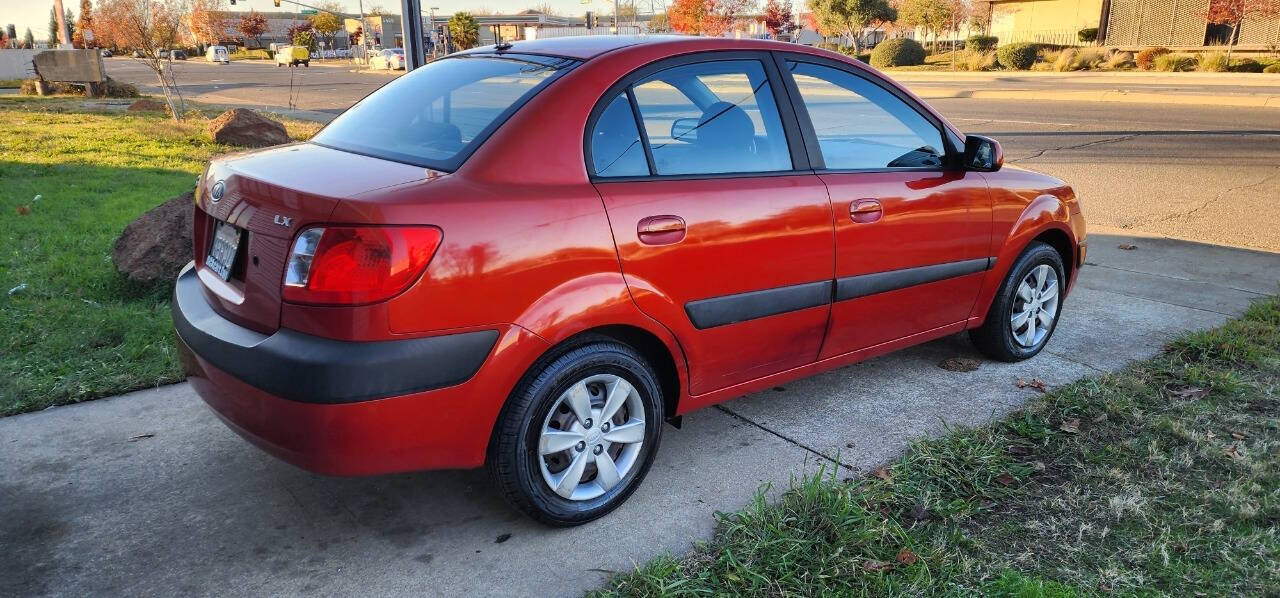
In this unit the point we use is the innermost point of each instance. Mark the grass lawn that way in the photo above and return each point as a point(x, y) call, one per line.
point(10, 83)
point(1162, 479)
point(78, 330)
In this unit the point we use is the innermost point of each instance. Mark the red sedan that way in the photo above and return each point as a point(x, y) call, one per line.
point(530, 256)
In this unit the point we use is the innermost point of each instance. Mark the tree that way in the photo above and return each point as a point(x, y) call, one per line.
point(149, 26)
point(659, 23)
point(84, 24)
point(327, 23)
point(851, 17)
point(28, 39)
point(302, 34)
point(54, 37)
point(934, 16)
point(1233, 12)
point(778, 18)
point(545, 8)
point(207, 23)
point(464, 29)
point(707, 17)
point(253, 25)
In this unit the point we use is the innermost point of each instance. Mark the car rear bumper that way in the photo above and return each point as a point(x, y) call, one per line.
point(349, 408)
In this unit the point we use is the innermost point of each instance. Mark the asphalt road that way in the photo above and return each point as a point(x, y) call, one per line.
point(1205, 173)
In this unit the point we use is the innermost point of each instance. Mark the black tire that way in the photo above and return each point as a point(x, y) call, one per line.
point(995, 337)
point(513, 460)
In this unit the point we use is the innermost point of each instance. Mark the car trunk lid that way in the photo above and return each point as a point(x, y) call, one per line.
point(270, 195)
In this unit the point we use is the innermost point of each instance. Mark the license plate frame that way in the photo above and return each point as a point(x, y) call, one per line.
point(224, 249)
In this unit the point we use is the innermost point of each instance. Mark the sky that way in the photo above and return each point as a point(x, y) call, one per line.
point(35, 13)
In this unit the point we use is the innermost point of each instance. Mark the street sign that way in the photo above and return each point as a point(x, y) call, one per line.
point(308, 11)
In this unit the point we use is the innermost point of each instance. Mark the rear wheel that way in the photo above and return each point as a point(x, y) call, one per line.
point(578, 435)
point(1025, 310)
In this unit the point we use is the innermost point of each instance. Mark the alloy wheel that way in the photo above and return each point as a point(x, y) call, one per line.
point(1035, 306)
point(592, 437)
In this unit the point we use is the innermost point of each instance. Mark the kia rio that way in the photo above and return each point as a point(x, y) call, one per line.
point(530, 256)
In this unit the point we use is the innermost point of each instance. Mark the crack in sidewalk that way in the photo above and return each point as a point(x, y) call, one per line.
point(786, 438)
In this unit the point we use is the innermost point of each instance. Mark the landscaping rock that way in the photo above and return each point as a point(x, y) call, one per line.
point(247, 128)
point(147, 105)
point(157, 245)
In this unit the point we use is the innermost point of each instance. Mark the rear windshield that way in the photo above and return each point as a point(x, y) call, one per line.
point(439, 114)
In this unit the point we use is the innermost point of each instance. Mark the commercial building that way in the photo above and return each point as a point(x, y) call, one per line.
point(1123, 23)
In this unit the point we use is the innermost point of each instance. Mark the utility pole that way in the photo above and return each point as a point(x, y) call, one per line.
point(63, 33)
point(411, 29)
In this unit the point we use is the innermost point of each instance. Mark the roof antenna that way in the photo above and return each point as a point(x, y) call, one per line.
point(502, 46)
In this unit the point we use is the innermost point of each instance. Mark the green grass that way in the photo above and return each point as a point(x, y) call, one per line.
point(10, 83)
point(1162, 479)
point(78, 330)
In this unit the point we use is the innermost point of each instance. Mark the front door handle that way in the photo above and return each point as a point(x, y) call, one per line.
point(661, 230)
point(864, 211)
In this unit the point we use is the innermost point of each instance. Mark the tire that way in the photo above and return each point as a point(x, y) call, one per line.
point(540, 413)
point(1000, 336)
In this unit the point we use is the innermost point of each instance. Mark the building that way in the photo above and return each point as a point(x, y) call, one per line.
point(1122, 23)
point(278, 24)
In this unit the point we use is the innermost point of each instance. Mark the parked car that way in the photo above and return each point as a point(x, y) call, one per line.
point(293, 56)
point(139, 54)
point(178, 55)
point(105, 53)
point(390, 59)
point(217, 54)
point(420, 287)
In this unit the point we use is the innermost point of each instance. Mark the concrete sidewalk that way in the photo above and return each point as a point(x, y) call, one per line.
point(149, 494)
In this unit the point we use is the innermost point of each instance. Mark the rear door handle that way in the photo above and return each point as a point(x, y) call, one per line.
point(864, 211)
point(661, 230)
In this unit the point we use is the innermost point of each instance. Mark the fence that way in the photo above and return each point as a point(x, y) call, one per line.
point(1180, 23)
point(546, 32)
point(1055, 37)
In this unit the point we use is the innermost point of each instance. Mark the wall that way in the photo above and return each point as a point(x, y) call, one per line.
point(16, 64)
point(1045, 21)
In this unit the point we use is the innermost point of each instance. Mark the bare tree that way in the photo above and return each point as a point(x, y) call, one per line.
point(151, 27)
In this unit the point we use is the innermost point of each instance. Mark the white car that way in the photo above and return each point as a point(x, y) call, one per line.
point(217, 54)
point(391, 59)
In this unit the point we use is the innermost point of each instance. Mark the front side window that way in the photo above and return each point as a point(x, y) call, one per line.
point(438, 114)
point(860, 125)
point(712, 117)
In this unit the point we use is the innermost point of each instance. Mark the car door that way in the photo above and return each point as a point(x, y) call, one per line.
point(912, 228)
point(724, 234)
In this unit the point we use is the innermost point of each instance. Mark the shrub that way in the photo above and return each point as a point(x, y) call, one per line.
point(1246, 65)
point(119, 89)
point(897, 52)
point(1272, 68)
point(1212, 62)
point(1017, 56)
point(981, 43)
point(1088, 35)
point(1146, 58)
point(1175, 63)
point(1078, 59)
point(978, 61)
point(1119, 60)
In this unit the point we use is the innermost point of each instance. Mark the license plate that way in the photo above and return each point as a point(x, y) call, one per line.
point(222, 253)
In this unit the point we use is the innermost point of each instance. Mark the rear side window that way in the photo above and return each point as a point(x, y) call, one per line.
point(439, 114)
point(860, 125)
point(616, 149)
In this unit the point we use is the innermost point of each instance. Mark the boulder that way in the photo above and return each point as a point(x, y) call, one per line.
point(247, 128)
point(148, 105)
point(157, 245)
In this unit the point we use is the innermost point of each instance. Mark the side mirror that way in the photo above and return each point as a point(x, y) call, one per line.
point(982, 154)
point(684, 129)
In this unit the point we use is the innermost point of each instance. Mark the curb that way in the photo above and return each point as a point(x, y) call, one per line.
point(1131, 97)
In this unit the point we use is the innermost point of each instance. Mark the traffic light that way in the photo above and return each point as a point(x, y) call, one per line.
point(277, 3)
point(591, 20)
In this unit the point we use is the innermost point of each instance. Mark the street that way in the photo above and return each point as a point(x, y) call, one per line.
point(149, 494)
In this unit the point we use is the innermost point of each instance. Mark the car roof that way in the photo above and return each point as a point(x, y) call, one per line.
point(586, 47)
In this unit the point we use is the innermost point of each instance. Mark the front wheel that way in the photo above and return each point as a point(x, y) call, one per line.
point(578, 435)
point(1024, 312)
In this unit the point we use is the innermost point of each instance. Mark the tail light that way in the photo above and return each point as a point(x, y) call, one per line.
point(344, 265)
